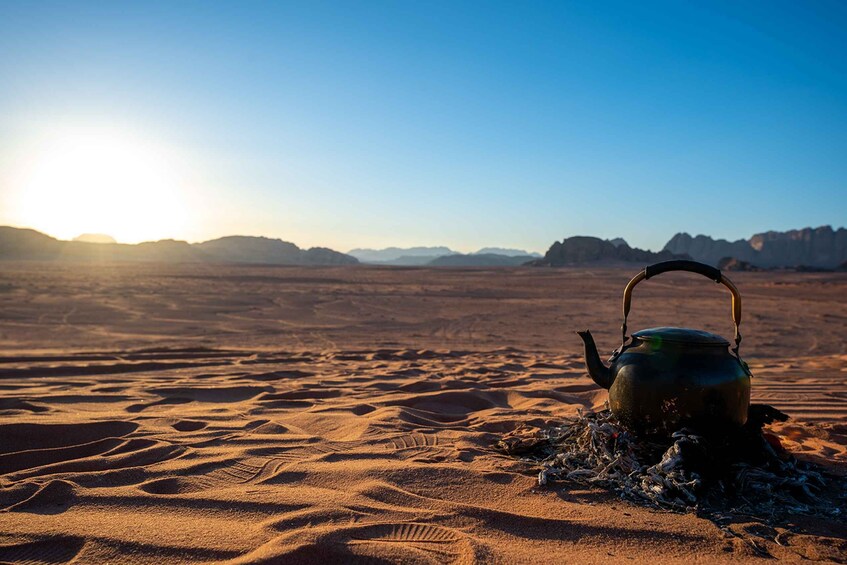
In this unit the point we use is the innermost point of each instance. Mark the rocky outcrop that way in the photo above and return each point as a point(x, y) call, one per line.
point(733, 264)
point(582, 250)
point(814, 247)
point(24, 244)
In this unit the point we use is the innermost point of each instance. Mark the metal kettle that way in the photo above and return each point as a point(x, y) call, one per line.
point(662, 379)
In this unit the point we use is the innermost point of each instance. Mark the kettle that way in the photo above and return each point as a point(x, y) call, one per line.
point(663, 379)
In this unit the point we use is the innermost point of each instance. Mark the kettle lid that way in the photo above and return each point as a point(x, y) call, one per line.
point(680, 335)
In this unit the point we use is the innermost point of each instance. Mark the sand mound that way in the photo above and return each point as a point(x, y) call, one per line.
point(52, 498)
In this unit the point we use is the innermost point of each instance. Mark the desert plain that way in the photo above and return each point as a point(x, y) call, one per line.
point(208, 413)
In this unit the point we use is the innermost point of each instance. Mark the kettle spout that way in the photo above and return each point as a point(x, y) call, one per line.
point(601, 374)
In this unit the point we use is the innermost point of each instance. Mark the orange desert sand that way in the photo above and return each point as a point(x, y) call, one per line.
point(166, 414)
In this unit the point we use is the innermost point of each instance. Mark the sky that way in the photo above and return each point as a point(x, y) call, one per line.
point(468, 124)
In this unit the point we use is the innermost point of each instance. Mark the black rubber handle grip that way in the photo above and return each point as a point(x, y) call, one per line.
point(683, 265)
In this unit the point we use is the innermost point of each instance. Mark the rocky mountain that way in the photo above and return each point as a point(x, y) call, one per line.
point(820, 247)
point(165, 250)
point(480, 260)
point(506, 251)
point(399, 255)
point(707, 250)
point(95, 238)
point(325, 256)
point(25, 244)
point(246, 249)
point(243, 249)
point(580, 250)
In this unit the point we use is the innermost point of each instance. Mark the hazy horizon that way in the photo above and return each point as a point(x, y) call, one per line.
point(540, 251)
point(394, 124)
point(343, 250)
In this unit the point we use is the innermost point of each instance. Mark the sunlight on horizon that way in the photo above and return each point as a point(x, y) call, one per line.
point(86, 180)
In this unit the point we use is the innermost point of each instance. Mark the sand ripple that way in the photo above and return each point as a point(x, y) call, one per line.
point(340, 456)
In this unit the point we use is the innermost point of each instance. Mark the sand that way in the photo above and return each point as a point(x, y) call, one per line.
point(163, 414)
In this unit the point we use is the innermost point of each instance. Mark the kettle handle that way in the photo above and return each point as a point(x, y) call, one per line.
point(691, 267)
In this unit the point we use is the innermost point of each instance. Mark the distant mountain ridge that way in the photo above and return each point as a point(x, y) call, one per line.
point(27, 244)
point(506, 251)
point(481, 260)
point(393, 254)
point(581, 250)
point(807, 248)
point(442, 256)
point(821, 247)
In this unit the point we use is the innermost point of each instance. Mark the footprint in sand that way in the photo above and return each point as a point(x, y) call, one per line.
point(414, 441)
point(393, 542)
point(409, 543)
point(420, 447)
point(222, 476)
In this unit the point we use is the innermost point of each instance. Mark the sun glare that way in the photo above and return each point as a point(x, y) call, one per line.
point(101, 182)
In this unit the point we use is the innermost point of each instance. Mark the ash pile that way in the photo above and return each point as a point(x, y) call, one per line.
point(749, 473)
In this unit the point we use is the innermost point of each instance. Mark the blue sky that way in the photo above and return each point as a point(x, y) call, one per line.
point(468, 124)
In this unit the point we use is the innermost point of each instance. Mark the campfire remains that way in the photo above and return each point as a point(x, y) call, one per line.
point(749, 473)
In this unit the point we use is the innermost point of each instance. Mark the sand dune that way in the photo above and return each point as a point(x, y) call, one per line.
point(159, 415)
